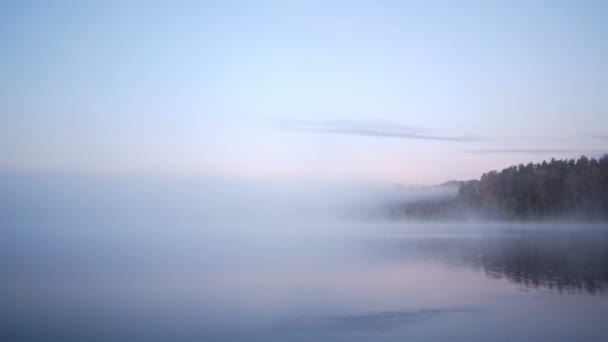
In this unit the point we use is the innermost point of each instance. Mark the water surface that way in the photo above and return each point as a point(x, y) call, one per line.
point(322, 282)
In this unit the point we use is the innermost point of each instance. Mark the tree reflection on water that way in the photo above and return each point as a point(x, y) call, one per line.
point(566, 262)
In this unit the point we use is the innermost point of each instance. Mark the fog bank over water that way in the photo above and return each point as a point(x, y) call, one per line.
point(121, 259)
point(39, 197)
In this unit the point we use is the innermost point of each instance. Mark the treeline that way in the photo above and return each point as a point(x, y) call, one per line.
point(543, 190)
point(555, 189)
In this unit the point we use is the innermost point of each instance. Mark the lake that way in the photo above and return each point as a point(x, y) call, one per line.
point(304, 282)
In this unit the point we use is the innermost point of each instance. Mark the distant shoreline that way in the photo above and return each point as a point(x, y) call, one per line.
point(560, 190)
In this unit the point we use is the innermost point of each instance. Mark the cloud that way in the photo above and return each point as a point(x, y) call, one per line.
point(365, 128)
point(536, 151)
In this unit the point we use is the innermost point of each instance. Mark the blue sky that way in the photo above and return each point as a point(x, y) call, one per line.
point(415, 92)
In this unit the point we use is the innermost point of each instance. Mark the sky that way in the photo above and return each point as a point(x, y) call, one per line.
point(388, 91)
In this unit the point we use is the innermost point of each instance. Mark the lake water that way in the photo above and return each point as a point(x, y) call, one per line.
point(304, 282)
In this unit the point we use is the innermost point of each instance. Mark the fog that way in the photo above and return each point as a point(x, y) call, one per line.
point(59, 197)
point(70, 225)
point(187, 259)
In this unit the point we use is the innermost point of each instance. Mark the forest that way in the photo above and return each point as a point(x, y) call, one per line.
point(555, 189)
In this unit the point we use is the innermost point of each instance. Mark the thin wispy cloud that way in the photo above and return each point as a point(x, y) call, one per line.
point(534, 139)
point(372, 129)
point(535, 151)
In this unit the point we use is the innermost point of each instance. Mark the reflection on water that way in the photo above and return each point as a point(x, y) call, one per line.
point(380, 282)
point(564, 261)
